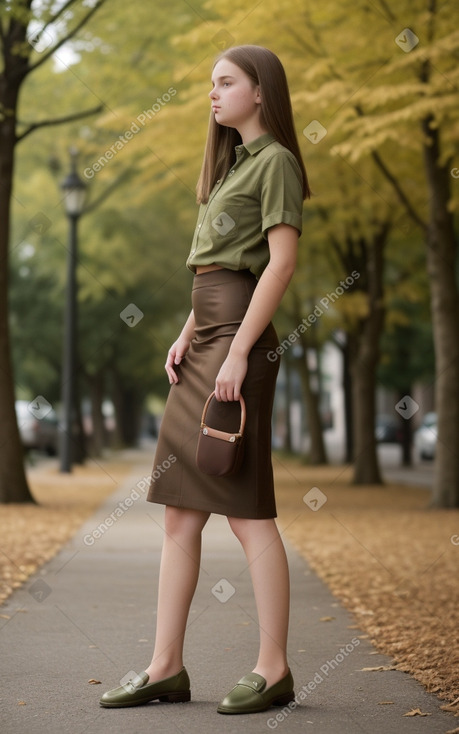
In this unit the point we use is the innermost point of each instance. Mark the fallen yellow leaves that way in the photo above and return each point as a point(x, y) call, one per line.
point(389, 559)
point(453, 706)
point(33, 534)
point(416, 712)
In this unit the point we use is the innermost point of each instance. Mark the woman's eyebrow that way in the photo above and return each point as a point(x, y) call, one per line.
point(220, 78)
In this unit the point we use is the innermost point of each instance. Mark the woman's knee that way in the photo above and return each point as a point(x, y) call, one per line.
point(181, 520)
point(241, 527)
point(246, 528)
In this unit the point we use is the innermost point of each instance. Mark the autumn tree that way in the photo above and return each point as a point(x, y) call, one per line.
point(407, 111)
point(27, 40)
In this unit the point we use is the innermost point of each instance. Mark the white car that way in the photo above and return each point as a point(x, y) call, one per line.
point(425, 438)
point(39, 434)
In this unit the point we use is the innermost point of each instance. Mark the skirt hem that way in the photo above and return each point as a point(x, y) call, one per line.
point(212, 508)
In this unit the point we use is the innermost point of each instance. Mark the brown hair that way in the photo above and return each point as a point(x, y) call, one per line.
point(265, 70)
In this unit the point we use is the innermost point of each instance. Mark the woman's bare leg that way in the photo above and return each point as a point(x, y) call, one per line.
point(178, 576)
point(268, 566)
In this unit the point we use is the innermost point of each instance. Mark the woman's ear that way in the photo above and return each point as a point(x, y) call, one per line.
point(258, 96)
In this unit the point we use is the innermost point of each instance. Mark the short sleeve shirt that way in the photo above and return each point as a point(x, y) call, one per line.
point(263, 188)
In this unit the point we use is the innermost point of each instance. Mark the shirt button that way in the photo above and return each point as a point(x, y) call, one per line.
point(199, 226)
point(218, 180)
point(230, 173)
point(193, 251)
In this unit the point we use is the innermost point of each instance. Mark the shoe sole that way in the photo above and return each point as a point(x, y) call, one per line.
point(279, 701)
point(173, 697)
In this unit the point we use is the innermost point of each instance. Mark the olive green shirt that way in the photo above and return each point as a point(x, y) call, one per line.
point(263, 188)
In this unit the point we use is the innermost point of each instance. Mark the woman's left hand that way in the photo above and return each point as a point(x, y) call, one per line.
point(230, 378)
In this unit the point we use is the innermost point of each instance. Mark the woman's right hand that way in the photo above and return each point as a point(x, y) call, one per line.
point(176, 353)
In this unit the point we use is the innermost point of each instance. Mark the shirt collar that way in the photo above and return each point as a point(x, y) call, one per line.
point(258, 144)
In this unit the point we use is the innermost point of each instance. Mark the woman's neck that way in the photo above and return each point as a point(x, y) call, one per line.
point(253, 130)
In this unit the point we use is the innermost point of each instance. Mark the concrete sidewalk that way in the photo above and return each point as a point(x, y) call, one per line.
point(90, 614)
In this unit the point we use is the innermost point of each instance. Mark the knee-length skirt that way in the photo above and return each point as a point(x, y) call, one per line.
point(220, 299)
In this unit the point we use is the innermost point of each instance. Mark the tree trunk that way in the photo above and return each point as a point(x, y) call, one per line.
point(128, 411)
point(364, 354)
point(96, 390)
point(79, 448)
point(346, 381)
point(317, 452)
point(13, 482)
point(117, 398)
point(132, 416)
point(442, 264)
point(15, 50)
point(406, 431)
point(348, 419)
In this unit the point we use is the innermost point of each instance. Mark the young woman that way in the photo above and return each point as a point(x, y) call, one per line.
point(251, 191)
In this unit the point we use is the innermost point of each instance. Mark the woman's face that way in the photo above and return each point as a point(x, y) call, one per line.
point(235, 99)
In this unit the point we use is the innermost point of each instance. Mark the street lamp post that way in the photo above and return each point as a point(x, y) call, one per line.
point(74, 196)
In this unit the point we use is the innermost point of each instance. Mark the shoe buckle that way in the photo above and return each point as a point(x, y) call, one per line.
point(131, 681)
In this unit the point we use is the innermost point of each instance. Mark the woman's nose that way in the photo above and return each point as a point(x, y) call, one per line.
point(213, 94)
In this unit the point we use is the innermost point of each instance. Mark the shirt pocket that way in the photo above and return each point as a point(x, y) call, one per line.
point(223, 221)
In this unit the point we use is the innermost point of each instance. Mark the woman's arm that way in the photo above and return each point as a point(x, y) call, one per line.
point(179, 348)
point(283, 245)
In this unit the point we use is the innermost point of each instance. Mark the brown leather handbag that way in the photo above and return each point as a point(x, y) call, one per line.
point(220, 442)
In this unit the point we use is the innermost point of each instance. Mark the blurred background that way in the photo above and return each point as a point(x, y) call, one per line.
point(110, 99)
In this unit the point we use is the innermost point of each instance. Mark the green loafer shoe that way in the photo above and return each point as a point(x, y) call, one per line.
point(250, 695)
point(136, 691)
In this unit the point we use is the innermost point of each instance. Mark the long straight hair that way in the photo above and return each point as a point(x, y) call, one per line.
point(265, 70)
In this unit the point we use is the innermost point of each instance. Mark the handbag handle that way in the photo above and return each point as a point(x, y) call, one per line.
point(243, 412)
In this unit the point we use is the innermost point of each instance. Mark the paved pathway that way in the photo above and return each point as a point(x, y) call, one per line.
point(89, 614)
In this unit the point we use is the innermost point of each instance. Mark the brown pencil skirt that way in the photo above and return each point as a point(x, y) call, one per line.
point(220, 299)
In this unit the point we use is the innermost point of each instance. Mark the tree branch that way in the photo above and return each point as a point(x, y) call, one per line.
point(399, 191)
point(108, 191)
point(57, 15)
point(59, 121)
point(395, 184)
point(66, 38)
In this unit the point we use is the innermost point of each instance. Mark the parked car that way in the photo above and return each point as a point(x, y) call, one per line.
point(387, 429)
point(41, 434)
point(425, 438)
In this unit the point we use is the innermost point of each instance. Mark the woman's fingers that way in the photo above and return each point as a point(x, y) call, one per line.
point(172, 360)
point(230, 378)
